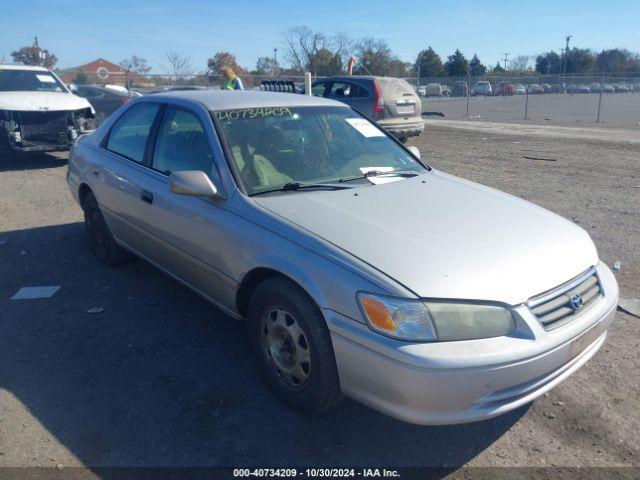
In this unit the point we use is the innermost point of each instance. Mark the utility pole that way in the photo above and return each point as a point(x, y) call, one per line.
point(566, 54)
point(506, 59)
point(37, 47)
point(275, 60)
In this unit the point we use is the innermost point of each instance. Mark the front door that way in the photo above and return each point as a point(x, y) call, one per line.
point(186, 234)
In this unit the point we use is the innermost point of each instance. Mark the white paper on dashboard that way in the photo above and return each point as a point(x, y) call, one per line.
point(365, 127)
point(45, 78)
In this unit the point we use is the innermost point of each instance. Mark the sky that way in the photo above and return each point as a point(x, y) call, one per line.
point(78, 31)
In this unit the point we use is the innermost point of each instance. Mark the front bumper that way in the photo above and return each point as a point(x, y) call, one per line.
point(43, 131)
point(459, 382)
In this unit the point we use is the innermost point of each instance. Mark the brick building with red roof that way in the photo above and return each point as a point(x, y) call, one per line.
point(103, 72)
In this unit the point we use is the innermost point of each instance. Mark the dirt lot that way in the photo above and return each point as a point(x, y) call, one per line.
point(161, 378)
point(619, 110)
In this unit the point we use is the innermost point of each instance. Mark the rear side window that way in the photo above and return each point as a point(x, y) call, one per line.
point(320, 89)
point(347, 90)
point(88, 92)
point(128, 136)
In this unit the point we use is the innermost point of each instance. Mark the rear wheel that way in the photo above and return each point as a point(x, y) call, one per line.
point(101, 239)
point(292, 346)
point(4, 144)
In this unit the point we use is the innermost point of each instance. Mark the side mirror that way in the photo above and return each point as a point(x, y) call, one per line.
point(414, 151)
point(73, 87)
point(192, 182)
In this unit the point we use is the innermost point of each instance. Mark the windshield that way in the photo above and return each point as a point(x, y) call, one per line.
point(274, 146)
point(29, 81)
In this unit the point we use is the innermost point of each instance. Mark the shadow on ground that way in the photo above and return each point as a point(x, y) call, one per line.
point(31, 161)
point(162, 378)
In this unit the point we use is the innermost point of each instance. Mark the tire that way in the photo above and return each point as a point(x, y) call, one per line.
point(101, 240)
point(5, 148)
point(292, 346)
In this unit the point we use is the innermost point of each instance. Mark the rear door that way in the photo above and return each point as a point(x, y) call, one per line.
point(400, 98)
point(116, 167)
point(353, 94)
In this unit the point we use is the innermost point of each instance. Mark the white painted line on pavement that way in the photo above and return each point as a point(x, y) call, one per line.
point(29, 293)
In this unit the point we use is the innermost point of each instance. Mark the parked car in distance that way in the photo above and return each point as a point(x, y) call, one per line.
point(535, 89)
point(482, 88)
point(432, 90)
point(620, 88)
point(520, 89)
point(506, 89)
point(105, 100)
point(38, 112)
point(390, 102)
point(581, 88)
point(547, 88)
point(608, 88)
point(459, 89)
point(282, 209)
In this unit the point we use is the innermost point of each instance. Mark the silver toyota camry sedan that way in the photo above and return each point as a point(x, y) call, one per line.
point(361, 271)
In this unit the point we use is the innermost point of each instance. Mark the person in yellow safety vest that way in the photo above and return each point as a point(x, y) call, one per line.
point(233, 81)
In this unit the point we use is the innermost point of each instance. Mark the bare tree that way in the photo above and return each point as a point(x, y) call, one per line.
point(179, 65)
point(520, 63)
point(136, 65)
point(302, 45)
point(343, 46)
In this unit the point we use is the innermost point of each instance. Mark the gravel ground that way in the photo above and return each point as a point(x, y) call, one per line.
point(621, 110)
point(161, 378)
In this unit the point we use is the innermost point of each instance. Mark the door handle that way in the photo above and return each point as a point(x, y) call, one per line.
point(146, 196)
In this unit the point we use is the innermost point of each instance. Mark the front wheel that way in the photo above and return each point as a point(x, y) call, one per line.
point(292, 346)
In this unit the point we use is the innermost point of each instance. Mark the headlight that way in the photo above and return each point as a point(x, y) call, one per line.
point(417, 320)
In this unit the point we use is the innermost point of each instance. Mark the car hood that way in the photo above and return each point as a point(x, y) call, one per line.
point(41, 101)
point(444, 237)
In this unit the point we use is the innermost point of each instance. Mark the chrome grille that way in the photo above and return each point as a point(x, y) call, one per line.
point(555, 307)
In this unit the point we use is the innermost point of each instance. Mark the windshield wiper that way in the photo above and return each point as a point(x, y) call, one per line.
point(295, 186)
point(380, 173)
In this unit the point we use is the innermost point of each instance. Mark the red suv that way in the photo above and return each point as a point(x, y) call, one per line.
point(506, 88)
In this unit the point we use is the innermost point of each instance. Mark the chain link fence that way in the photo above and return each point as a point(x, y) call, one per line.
point(564, 99)
point(603, 98)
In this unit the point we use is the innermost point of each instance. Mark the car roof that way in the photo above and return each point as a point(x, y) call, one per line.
point(233, 99)
point(23, 67)
point(103, 88)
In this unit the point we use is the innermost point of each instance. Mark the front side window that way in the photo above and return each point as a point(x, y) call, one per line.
point(182, 144)
point(128, 136)
point(29, 81)
point(278, 145)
